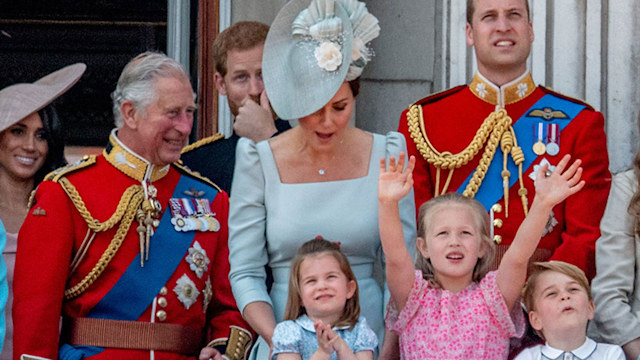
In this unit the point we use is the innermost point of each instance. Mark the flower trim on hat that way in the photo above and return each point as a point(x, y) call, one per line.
point(319, 24)
point(328, 55)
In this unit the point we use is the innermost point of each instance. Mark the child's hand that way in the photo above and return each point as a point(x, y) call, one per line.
point(552, 187)
point(394, 184)
point(329, 341)
point(325, 335)
point(209, 353)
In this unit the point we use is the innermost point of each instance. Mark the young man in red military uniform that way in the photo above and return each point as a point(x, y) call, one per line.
point(488, 139)
point(129, 247)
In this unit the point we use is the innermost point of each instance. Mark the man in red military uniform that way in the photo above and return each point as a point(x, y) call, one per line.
point(488, 139)
point(129, 247)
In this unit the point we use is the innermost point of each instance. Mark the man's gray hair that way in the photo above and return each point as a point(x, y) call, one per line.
point(136, 83)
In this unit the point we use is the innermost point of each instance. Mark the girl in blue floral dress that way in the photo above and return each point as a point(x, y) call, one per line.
point(322, 316)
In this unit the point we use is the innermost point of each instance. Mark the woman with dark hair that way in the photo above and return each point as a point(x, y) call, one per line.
point(31, 146)
point(54, 135)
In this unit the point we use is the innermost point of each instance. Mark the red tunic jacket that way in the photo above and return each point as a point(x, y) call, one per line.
point(451, 120)
point(54, 231)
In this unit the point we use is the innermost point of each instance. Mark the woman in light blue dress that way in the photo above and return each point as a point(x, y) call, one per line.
point(319, 178)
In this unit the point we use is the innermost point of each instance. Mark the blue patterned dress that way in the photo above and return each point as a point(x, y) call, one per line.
point(299, 337)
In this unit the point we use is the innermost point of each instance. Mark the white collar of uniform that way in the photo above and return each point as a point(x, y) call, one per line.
point(583, 352)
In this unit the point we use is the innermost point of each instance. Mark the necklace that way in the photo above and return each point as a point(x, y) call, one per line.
point(323, 170)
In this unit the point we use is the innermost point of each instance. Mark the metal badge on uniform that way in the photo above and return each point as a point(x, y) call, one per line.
point(39, 212)
point(548, 114)
point(536, 168)
point(194, 193)
point(198, 260)
point(553, 145)
point(551, 223)
point(538, 147)
point(186, 290)
point(207, 293)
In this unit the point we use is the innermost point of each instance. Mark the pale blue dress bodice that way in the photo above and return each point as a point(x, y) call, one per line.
point(269, 220)
point(299, 337)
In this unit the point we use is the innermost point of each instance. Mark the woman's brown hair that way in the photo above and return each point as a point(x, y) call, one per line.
point(316, 247)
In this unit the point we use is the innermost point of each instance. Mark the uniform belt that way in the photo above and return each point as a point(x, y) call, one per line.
point(136, 335)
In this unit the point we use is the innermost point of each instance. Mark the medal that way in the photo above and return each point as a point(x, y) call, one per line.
point(215, 224)
point(552, 147)
point(539, 148)
point(193, 215)
point(204, 224)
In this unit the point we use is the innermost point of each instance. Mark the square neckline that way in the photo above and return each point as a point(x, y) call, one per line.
point(274, 167)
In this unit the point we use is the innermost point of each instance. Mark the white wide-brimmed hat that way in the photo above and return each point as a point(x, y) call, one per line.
point(20, 100)
point(313, 46)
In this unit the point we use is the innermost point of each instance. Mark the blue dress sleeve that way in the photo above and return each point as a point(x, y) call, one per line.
point(394, 146)
point(365, 339)
point(287, 338)
point(247, 220)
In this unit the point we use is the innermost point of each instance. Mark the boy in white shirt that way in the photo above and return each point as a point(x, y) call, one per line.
point(559, 303)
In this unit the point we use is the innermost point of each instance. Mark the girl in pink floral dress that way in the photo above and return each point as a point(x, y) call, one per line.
point(452, 307)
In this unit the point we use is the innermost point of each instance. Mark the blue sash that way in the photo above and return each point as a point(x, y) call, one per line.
point(491, 190)
point(136, 288)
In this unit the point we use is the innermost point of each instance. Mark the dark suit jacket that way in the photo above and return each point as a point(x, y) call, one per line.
point(216, 160)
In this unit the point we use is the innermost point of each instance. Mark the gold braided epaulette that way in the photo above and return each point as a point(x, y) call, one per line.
point(179, 165)
point(56, 174)
point(202, 142)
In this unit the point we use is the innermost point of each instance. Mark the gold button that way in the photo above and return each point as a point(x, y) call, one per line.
point(497, 223)
point(497, 208)
point(85, 157)
point(162, 302)
point(163, 291)
point(161, 315)
point(497, 239)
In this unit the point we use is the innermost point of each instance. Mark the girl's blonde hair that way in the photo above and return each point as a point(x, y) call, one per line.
point(482, 222)
point(311, 248)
